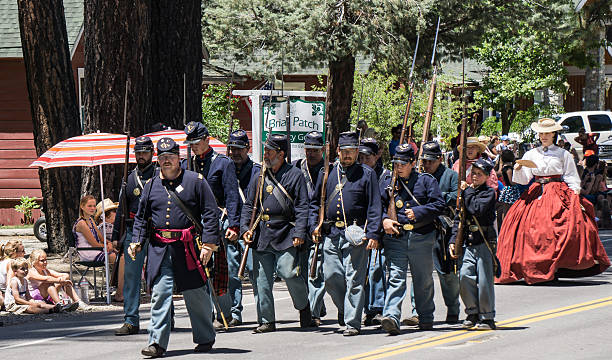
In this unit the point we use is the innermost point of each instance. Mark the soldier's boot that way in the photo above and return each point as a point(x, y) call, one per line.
point(470, 321)
point(306, 319)
point(390, 326)
point(341, 319)
point(411, 321)
point(153, 350)
point(127, 329)
point(264, 328)
point(486, 325)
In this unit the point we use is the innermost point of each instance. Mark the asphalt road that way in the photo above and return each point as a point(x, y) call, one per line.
point(569, 319)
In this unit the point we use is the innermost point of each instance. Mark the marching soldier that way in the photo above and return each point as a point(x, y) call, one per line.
point(449, 280)
point(352, 223)
point(175, 203)
point(145, 170)
point(369, 154)
point(410, 240)
point(310, 168)
point(246, 170)
point(283, 211)
point(220, 173)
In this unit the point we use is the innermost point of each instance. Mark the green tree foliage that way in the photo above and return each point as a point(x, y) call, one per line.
point(217, 110)
point(25, 206)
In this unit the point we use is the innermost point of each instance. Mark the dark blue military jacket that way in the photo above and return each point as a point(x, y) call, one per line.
point(447, 181)
point(221, 177)
point(480, 203)
point(135, 184)
point(157, 205)
point(311, 174)
point(361, 197)
point(278, 232)
point(250, 170)
point(425, 189)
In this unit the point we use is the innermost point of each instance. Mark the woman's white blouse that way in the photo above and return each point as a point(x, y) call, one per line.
point(553, 161)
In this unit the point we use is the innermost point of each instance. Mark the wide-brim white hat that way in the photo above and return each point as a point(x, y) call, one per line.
point(473, 141)
point(546, 125)
point(108, 205)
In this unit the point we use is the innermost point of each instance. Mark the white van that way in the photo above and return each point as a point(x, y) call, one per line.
point(592, 121)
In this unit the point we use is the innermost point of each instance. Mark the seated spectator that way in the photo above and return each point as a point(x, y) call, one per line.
point(17, 298)
point(110, 211)
point(13, 249)
point(588, 141)
point(46, 284)
point(87, 233)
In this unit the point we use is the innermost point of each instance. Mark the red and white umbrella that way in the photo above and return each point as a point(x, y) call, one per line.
point(86, 150)
point(94, 149)
point(179, 137)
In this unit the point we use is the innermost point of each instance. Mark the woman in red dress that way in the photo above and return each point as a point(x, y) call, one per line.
point(550, 231)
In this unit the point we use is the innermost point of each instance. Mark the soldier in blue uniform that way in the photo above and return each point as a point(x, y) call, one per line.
point(410, 240)
point(283, 212)
point(176, 252)
point(145, 170)
point(310, 168)
point(246, 171)
point(376, 288)
point(220, 173)
point(479, 244)
point(351, 227)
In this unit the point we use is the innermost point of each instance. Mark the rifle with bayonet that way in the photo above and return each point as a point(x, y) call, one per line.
point(123, 192)
point(317, 231)
point(255, 214)
point(189, 160)
point(462, 165)
point(432, 98)
point(391, 210)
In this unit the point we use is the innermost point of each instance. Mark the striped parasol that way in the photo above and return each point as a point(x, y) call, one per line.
point(86, 150)
point(179, 137)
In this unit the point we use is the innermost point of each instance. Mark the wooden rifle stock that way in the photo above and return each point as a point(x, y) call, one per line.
point(460, 204)
point(253, 222)
point(317, 231)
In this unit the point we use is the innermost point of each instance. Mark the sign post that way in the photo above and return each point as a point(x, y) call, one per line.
point(306, 116)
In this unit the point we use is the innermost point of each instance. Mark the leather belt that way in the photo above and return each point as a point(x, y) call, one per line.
point(410, 226)
point(169, 234)
point(342, 224)
point(546, 180)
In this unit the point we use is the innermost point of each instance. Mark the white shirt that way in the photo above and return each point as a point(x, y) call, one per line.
point(554, 161)
point(22, 287)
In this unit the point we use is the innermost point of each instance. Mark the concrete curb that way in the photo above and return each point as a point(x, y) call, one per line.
point(17, 232)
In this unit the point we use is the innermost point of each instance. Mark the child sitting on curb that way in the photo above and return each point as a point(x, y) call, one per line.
point(46, 284)
point(17, 298)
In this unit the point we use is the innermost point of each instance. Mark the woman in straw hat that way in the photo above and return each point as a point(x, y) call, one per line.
point(110, 211)
point(474, 152)
point(550, 231)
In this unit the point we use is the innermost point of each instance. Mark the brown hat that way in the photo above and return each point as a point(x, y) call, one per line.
point(108, 205)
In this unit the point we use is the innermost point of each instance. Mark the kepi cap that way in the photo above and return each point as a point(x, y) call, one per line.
point(195, 131)
point(368, 146)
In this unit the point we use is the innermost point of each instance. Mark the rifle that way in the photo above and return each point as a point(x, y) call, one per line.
point(430, 103)
point(391, 211)
point(462, 165)
point(229, 103)
point(123, 192)
point(189, 164)
point(288, 115)
point(313, 264)
point(260, 183)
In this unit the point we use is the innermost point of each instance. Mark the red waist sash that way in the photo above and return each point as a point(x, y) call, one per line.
point(191, 257)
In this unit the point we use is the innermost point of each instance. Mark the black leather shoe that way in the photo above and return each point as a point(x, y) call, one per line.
point(265, 328)
point(153, 351)
point(127, 329)
point(367, 319)
point(486, 325)
point(203, 348)
point(234, 322)
point(425, 326)
point(452, 319)
point(390, 326)
point(316, 321)
point(323, 311)
point(306, 318)
point(470, 321)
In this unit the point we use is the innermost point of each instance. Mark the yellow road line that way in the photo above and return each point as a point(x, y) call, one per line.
point(465, 334)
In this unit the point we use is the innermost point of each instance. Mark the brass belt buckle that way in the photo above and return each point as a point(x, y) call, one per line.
point(265, 217)
point(340, 224)
point(473, 228)
point(408, 227)
point(167, 234)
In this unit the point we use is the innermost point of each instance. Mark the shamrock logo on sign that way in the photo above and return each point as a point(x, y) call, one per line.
point(317, 109)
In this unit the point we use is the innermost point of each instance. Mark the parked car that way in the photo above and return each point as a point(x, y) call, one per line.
point(592, 121)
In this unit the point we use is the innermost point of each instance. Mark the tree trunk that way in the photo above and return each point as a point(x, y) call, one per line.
point(53, 104)
point(340, 98)
point(117, 50)
point(176, 51)
point(594, 77)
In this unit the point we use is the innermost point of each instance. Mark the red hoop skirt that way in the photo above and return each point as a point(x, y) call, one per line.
point(540, 236)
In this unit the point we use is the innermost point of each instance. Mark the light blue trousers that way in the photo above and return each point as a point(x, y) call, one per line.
point(414, 250)
point(376, 288)
point(197, 303)
point(344, 269)
point(285, 264)
point(477, 282)
point(132, 281)
point(316, 286)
